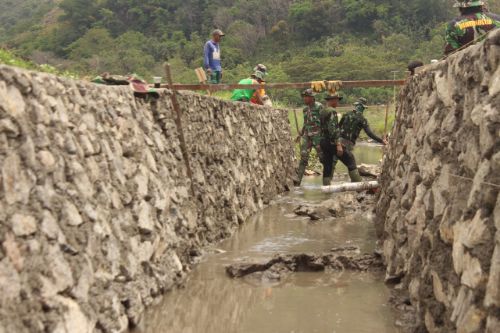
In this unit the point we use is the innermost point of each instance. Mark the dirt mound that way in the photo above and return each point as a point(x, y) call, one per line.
point(338, 259)
point(340, 205)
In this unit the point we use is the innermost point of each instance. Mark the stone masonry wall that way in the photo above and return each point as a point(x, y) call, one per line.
point(439, 210)
point(96, 215)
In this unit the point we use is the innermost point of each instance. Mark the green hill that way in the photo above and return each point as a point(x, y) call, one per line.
point(299, 40)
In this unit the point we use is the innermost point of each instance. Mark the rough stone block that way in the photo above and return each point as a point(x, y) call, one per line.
point(23, 225)
point(71, 215)
point(492, 297)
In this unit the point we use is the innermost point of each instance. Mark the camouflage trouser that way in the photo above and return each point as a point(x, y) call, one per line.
point(308, 143)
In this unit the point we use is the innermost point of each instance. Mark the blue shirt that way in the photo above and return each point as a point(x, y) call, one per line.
point(212, 56)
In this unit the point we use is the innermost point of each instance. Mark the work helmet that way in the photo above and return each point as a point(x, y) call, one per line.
point(468, 3)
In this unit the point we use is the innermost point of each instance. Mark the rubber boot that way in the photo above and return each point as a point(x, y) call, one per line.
point(300, 174)
point(327, 181)
point(355, 176)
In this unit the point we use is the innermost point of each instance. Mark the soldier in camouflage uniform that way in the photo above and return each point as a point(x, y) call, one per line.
point(473, 23)
point(330, 134)
point(350, 126)
point(311, 132)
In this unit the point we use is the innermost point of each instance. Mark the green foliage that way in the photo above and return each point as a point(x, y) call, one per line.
point(299, 40)
point(9, 58)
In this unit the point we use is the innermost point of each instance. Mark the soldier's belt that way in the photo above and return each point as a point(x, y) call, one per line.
point(346, 142)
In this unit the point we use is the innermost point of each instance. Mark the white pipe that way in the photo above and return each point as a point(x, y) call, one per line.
point(348, 187)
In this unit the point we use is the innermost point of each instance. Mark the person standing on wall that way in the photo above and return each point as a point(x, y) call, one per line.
point(473, 23)
point(350, 127)
point(311, 132)
point(212, 57)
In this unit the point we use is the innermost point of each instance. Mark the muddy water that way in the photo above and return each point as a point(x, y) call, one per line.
point(306, 302)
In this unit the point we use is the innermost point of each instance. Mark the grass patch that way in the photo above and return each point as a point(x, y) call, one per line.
point(10, 59)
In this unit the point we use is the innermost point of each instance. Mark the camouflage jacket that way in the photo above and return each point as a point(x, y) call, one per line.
point(467, 28)
point(330, 125)
point(312, 119)
point(351, 125)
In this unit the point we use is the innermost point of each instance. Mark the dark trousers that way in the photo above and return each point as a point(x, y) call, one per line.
point(330, 158)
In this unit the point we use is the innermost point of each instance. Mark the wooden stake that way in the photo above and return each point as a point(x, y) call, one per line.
point(386, 118)
point(178, 123)
point(296, 121)
point(297, 126)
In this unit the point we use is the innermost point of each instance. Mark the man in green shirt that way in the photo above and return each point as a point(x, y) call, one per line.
point(311, 132)
point(246, 95)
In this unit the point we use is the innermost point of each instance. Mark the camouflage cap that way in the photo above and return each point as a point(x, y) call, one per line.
point(218, 32)
point(334, 96)
point(468, 3)
point(362, 101)
point(308, 92)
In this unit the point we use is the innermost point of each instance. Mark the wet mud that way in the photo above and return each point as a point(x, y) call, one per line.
point(296, 274)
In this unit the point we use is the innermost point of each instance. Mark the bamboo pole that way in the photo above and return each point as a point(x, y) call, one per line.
point(345, 84)
point(296, 121)
point(351, 187)
point(386, 118)
point(178, 123)
point(297, 140)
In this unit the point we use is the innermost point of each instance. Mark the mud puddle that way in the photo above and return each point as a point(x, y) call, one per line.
point(211, 302)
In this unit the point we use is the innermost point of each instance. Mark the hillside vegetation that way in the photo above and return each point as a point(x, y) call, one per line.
point(299, 40)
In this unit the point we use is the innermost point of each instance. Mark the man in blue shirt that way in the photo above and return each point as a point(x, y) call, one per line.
point(212, 57)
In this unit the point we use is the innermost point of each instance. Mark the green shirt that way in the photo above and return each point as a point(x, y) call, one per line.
point(330, 125)
point(312, 119)
point(243, 94)
point(351, 125)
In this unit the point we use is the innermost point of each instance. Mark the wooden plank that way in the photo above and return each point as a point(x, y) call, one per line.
point(301, 85)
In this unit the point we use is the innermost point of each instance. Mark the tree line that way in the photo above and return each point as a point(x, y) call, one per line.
point(299, 40)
